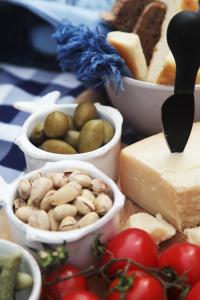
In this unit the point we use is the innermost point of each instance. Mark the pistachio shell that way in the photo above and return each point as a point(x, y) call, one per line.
point(53, 223)
point(91, 136)
point(45, 203)
point(82, 178)
point(35, 176)
point(84, 112)
point(84, 205)
point(103, 204)
point(99, 186)
point(24, 213)
point(88, 219)
point(65, 194)
point(40, 220)
point(37, 135)
point(57, 146)
point(108, 131)
point(68, 223)
point(39, 189)
point(88, 194)
point(18, 203)
point(24, 188)
point(56, 125)
point(59, 179)
point(64, 210)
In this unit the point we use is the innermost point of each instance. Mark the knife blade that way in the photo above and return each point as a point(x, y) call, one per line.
point(177, 112)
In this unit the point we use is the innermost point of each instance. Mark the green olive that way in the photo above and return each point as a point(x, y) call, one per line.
point(57, 146)
point(56, 124)
point(91, 136)
point(84, 112)
point(108, 131)
point(70, 123)
point(37, 135)
point(72, 138)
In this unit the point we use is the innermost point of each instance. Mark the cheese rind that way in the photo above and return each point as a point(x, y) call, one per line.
point(157, 227)
point(164, 182)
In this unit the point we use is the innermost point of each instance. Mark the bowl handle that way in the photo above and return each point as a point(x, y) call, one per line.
point(39, 104)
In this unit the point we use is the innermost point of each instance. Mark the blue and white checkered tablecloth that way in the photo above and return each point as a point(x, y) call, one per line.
point(25, 84)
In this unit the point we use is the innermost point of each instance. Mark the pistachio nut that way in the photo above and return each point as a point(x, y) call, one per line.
point(76, 186)
point(68, 223)
point(84, 205)
point(72, 138)
point(84, 112)
point(88, 194)
point(57, 146)
point(59, 179)
point(88, 219)
point(37, 135)
point(65, 194)
point(52, 221)
point(45, 203)
point(56, 125)
point(82, 178)
point(108, 131)
point(91, 136)
point(103, 204)
point(99, 186)
point(35, 176)
point(24, 189)
point(40, 220)
point(64, 210)
point(18, 203)
point(24, 213)
point(39, 189)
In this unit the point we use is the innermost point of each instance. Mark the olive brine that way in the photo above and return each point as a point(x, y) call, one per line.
point(64, 134)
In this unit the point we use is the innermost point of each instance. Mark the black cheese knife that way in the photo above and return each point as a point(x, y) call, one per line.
point(183, 37)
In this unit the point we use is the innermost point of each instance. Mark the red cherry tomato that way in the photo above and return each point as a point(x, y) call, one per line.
point(66, 286)
point(194, 293)
point(144, 287)
point(183, 258)
point(80, 295)
point(131, 243)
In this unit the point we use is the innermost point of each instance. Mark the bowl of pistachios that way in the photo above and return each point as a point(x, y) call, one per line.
point(86, 131)
point(20, 275)
point(67, 202)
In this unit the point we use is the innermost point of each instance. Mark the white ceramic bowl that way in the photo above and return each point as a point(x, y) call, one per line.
point(28, 266)
point(104, 158)
point(140, 104)
point(78, 241)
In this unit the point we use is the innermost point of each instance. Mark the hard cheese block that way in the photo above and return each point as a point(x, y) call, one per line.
point(164, 182)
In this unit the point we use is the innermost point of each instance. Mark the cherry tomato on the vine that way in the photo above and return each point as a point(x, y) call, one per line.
point(63, 287)
point(143, 287)
point(184, 258)
point(132, 243)
point(80, 295)
point(194, 293)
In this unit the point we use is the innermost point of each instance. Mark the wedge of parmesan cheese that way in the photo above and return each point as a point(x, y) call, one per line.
point(157, 227)
point(193, 235)
point(164, 182)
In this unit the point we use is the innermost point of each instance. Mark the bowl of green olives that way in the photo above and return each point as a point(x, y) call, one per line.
point(86, 131)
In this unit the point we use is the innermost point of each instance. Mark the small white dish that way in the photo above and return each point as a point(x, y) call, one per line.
point(28, 266)
point(78, 241)
point(140, 104)
point(104, 158)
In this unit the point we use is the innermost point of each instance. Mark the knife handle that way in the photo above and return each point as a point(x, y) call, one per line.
point(183, 37)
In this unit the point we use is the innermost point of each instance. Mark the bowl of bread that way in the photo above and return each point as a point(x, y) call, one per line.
point(139, 35)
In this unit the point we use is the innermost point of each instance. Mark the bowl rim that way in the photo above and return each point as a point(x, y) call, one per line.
point(150, 85)
point(60, 237)
point(29, 149)
point(34, 268)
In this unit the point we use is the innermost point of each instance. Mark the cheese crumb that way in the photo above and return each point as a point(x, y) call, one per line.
point(193, 235)
point(157, 227)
